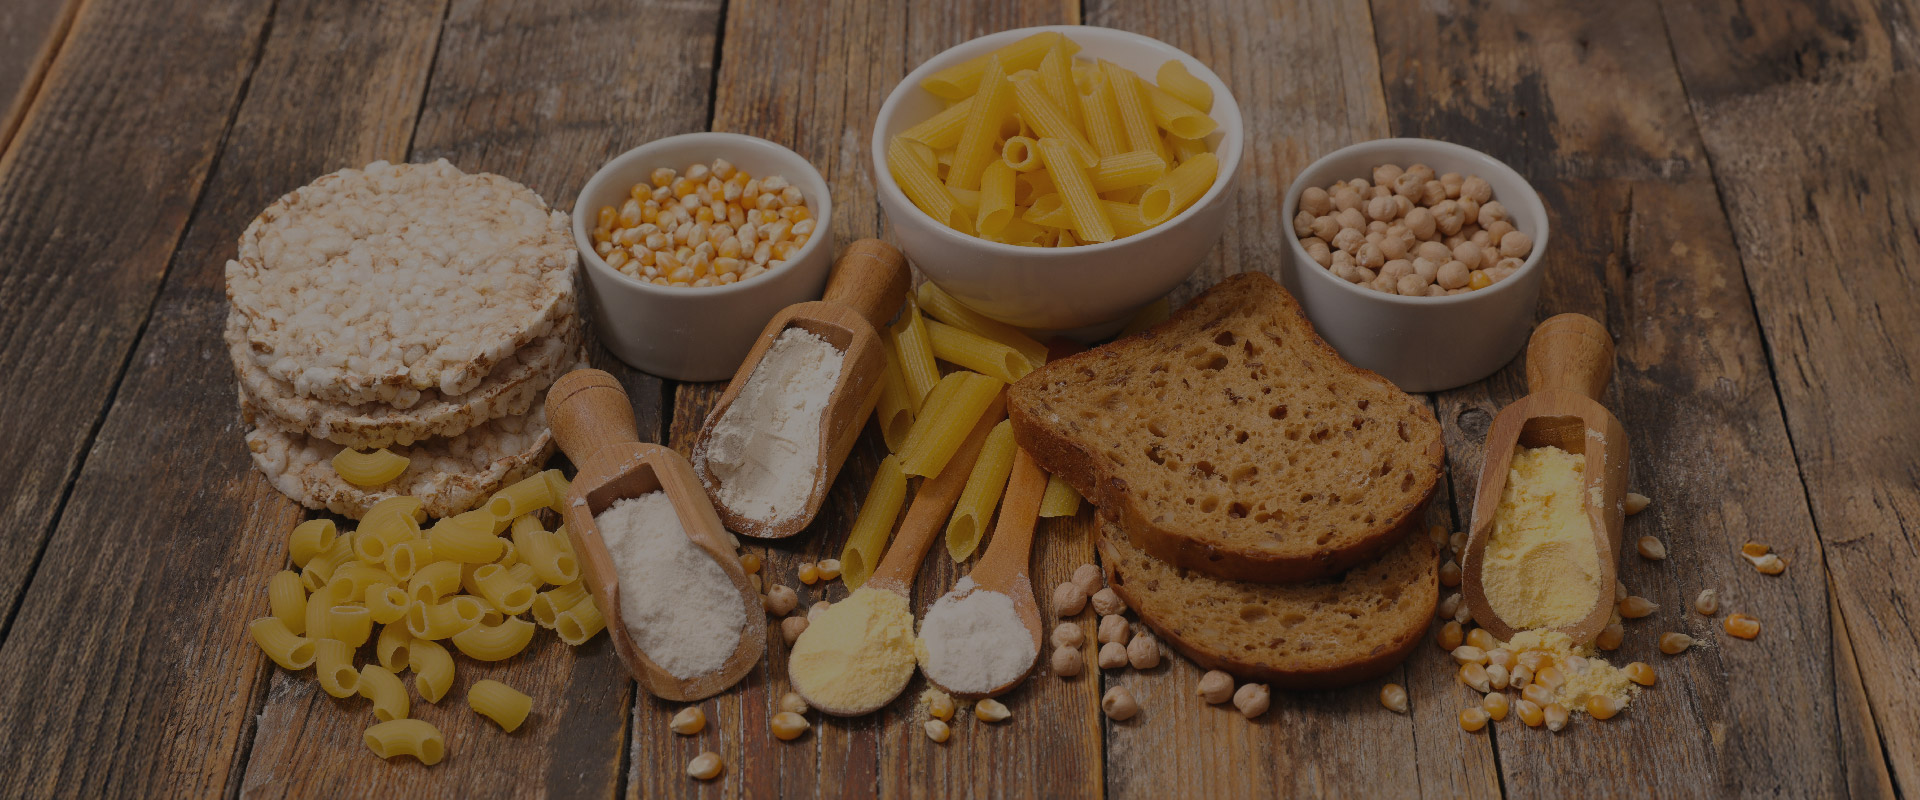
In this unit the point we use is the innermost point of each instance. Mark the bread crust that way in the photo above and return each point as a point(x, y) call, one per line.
point(1400, 643)
point(1097, 480)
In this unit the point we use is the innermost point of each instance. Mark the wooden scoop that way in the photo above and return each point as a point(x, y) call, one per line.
point(1004, 568)
point(864, 292)
point(926, 518)
point(1569, 361)
point(592, 420)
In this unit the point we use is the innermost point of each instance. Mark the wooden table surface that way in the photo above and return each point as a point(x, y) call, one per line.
point(1733, 193)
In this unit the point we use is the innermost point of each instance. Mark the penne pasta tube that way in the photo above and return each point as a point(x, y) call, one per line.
point(1020, 232)
point(1175, 116)
point(1130, 104)
point(977, 353)
point(1126, 217)
point(936, 303)
point(1060, 500)
point(1019, 154)
point(1090, 220)
point(985, 483)
point(1171, 195)
point(1047, 118)
point(894, 412)
point(938, 434)
point(937, 495)
point(963, 79)
point(916, 356)
point(1185, 149)
point(1174, 79)
point(1056, 75)
point(984, 118)
point(996, 198)
point(919, 182)
point(1124, 170)
point(868, 538)
point(941, 130)
point(1102, 116)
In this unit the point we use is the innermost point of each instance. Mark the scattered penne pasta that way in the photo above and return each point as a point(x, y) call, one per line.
point(868, 538)
point(1060, 500)
point(939, 432)
point(985, 484)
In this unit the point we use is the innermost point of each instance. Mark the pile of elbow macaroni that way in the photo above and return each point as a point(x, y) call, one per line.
point(460, 580)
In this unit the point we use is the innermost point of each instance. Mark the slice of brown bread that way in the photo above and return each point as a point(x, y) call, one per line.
point(1314, 635)
point(1232, 440)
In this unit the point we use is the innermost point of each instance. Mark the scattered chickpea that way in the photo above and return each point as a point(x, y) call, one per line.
point(1113, 655)
point(1068, 661)
point(1118, 704)
point(1087, 577)
point(1143, 652)
point(1215, 687)
point(991, 710)
point(1636, 503)
point(787, 726)
point(1252, 699)
point(794, 703)
point(1106, 602)
point(1742, 626)
point(1651, 549)
point(1393, 696)
point(1068, 599)
point(937, 730)
point(779, 599)
point(792, 627)
point(1068, 634)
point(689, 721)
point(705, 766)
point(1708, 603)
point(828, 569)
point(1113, 629)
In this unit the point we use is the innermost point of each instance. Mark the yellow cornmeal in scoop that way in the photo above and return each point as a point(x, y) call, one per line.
point(1585, 676)
point(858, 654)
point(1541, 567)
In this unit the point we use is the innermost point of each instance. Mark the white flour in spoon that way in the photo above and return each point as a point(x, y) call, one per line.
point(765, 450)
point(973, 641)
point(679, 606)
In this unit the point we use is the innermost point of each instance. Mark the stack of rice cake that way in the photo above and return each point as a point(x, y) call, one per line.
point(407, 306)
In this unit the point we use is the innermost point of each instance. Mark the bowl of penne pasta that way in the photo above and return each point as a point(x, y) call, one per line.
point(1058, 178)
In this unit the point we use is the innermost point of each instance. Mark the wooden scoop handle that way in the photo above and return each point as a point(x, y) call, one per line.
point(1570, 352)
point(871, 279)
point(589, 410)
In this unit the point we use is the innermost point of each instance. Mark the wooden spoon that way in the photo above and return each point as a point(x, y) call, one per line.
point(1569, 361)
point(1004, 568)
point(869, 282)
point(925, 520)
point(592, 420)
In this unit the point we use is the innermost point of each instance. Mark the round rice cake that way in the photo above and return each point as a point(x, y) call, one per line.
point(449, 475)
point(513, 387)
point(376, 285)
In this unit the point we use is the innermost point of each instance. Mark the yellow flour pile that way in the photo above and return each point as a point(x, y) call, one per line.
point(1541, 568)
point(1585, 677)
point(858, 654)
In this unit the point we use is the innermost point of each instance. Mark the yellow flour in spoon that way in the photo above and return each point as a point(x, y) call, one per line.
point(1541, 567)
point(858, 654)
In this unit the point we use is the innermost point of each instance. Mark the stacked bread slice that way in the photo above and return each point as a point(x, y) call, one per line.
point(1255, 490)
point(411, 307)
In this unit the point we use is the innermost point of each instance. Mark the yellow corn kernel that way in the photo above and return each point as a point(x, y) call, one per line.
point(1449, 636)
point(1708, 603)
point(1639, 673)
point(1496, 705)
point(1481, 638)
point(1475, 676)
point(1603, 707)
point(606, 217)
point(1674, 644)
point(1743, 626)
point(1519, 676)
point(1479, 280)
point(1531, 659)
point(1556, 715)
point(1610, 637)
point(1755, 549)
point(1539, 695)
point(1500, 656)
point(1450, 574)
point(1550, 678)
point(1473, 719)
point(1529, 712)
point(1635, 607)
point(1394, 697)
point(1769, 564)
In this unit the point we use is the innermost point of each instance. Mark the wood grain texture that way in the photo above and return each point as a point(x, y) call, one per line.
point(31, 34)
point(139, 612)
point(94, 193)
point(1583, 102)
point(503, 99)
point(1805, 111)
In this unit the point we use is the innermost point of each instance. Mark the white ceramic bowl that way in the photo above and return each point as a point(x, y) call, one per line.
point(1422, 344)
point(698, 334)
point(1092, 289)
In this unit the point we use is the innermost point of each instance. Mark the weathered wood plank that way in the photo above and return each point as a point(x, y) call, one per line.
point(1305, 76)
point(1804, 108)
point(30, 35)
point(1586, 102)
point(94, 192)
point(499, 101)
point(140, 607)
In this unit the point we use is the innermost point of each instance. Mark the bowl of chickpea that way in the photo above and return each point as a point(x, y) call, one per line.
point(1417, 259)
point(691, 243)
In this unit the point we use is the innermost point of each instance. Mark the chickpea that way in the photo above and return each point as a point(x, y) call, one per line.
point(1433, 251)
point(1068, 599)
point(1325, 227)
point(1385, 174)
point(1087, 577)
point(1342, 260)
point(1113, 628)
point(1377, 226)
point(1068, 634)
point(1516, 245)
point(1434, 290)
point(1467, 253)
point(1068, 661)
point(1349, 240)
point(1421, 223)
point(1252, 699)
point(1447, 217)
point(1370, 256)
point(1452, 275)
point(1409, 186)
point(1403, 205)
point(1451, 181)
point(1346, 198)
point(1346, 272)
point(1118, 704)
point(1412, 286)
point(1453, 241)
point(1106, 602)
point(792, 627)
point(779, 599)
point(1316, 201)
point(1384, 284)
point(1352, 218)
point(1395, 270)
point(1426, 268)
point(1425, 172)
point(1433, 193)
point(1476, 189)
point(1113, 655)
point(1491, 211)
point(1381, 208)
point(1216, 687)
point(1495, 230)
point(1317, 250)
point(1392, 246)
point(1362, 275)
point(1143, 652)
point(1471, 208)
point(1379, 191)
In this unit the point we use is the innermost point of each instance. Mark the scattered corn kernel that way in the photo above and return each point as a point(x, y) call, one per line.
point(1469, 654)
point(1556, 716)
point(1449, 606)
point(1540, 695)
point(1481, 638)
point(1639, 673)
point(1674, 644)
point(1610, 637)
point(706, 766)
point(1473, 719)
point(1708, 603)
point(1637, 502)
point(1450, 573)
point(1635, 607)
point(1549, 678)
point(750, 562)
point(940, 705)
point(937, 730)
point(1475, 676)
point(1769, 564)
point(1742, 626)
point(991, 710)
point(1755, 549)
point(1394, 697)
point(1496, 705)
point(1498, 678)
point(1501, 656)
point(1651, 549)
point(1449, 636)
point(689, 721)
point(1519, 676)
point(809, 574)
point(1529, 712)
point(829, 569)
point(787, 726)
point(1603, 706)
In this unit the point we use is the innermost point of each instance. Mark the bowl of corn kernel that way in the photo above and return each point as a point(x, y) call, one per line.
point(1061, 177)
point(692, 242)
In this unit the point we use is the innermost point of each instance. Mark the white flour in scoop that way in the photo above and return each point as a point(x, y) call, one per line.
point(679, 606)
point(765, 450)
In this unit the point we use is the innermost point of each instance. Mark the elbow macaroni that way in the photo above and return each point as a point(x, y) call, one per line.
point(369, 469)
point(496, 643)
point(389, 695)
point(499, 702)
point(407, 737)
point(432, 669)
